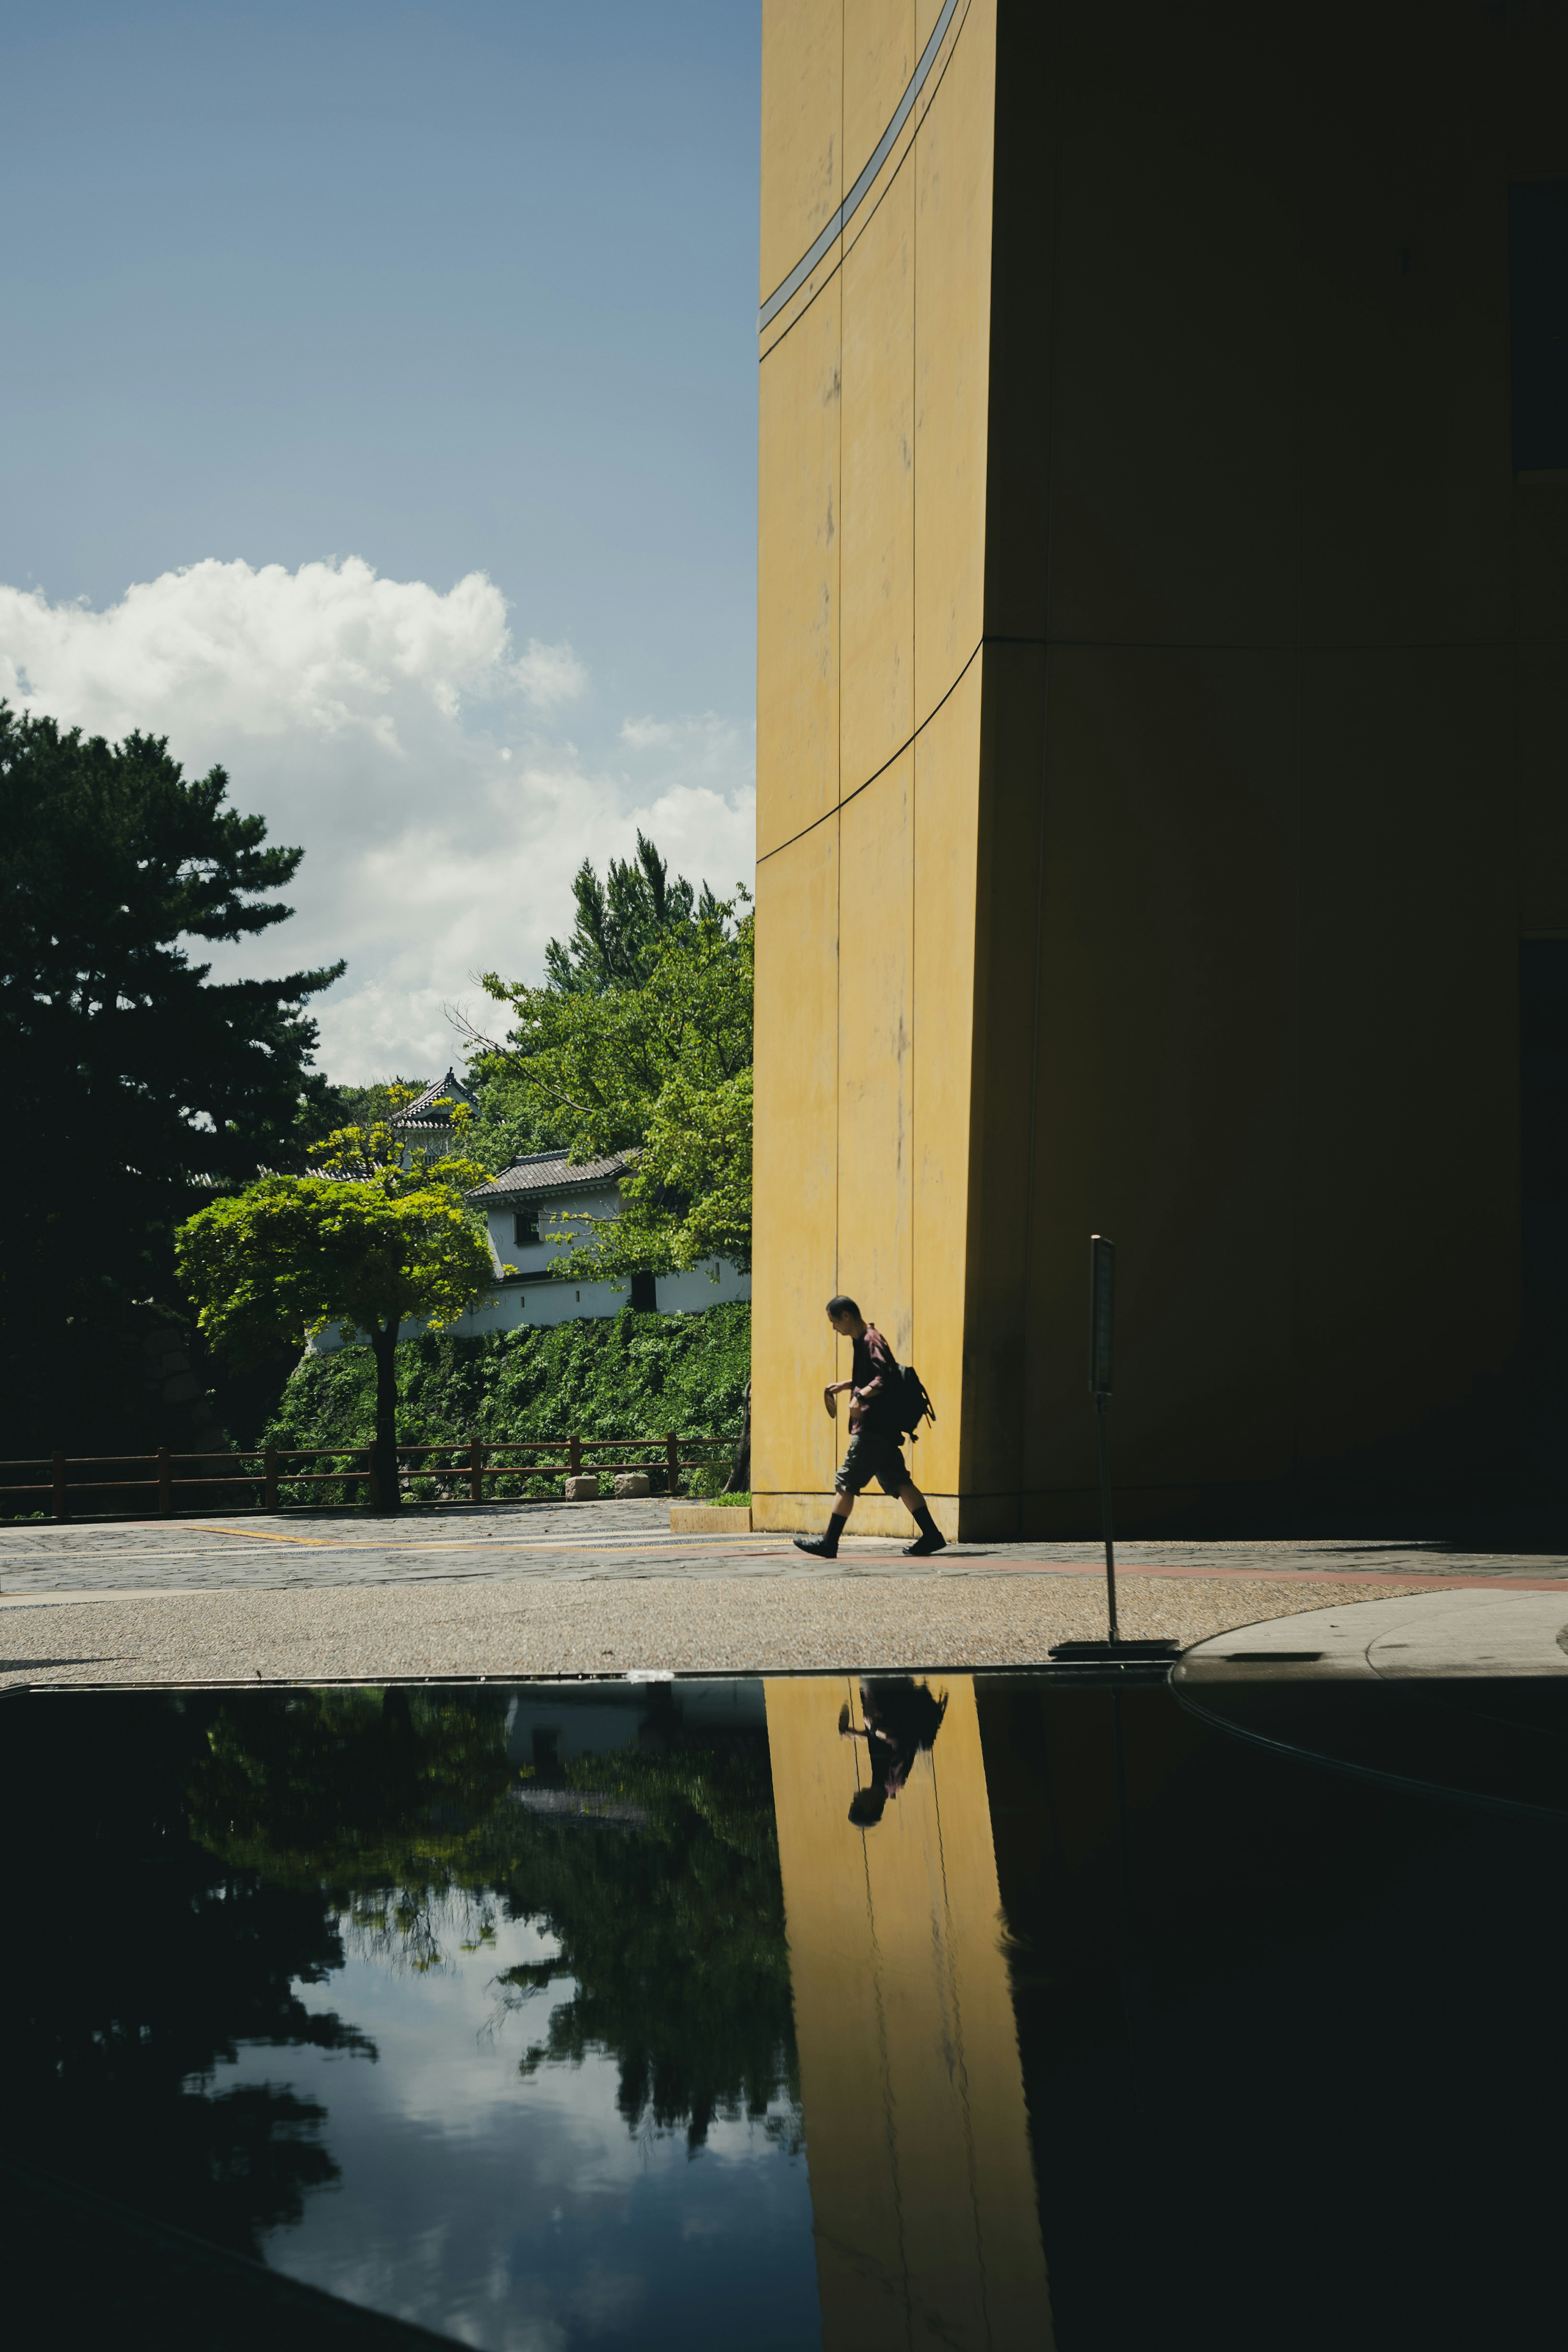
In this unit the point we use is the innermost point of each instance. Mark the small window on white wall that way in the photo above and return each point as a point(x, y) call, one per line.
point(524, 1228)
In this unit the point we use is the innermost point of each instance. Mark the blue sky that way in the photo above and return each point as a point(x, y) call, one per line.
point(400, 295)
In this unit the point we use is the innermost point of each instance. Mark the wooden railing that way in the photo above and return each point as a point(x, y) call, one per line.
point(468, 1463)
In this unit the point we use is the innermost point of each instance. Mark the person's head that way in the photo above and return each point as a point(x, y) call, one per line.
point(845, 1318)
point(867, 1807)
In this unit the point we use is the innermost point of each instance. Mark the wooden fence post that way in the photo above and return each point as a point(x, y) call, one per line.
point(475, 1471)
point(672, 1458)
point(574, 1457)
point(59, 1475)
point(165, 1483)
point(269, 1478)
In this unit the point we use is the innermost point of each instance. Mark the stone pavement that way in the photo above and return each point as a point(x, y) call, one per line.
point(577, 1540)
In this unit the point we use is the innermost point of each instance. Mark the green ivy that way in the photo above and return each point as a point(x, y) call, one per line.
point(627, 1375)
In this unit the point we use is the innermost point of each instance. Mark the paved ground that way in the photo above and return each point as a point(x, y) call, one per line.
point(619, 1539)
point(516, 1626)
point(606, 1588)
point(1477, 1636)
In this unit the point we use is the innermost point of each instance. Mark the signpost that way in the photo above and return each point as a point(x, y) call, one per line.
point(1102, 1373)
point(1139, 1656)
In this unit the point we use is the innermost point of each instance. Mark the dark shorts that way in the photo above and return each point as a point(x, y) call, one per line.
point(870, 1456)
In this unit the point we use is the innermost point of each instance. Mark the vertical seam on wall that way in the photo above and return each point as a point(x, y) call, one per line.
point(1516, 683)
point(1032, 1207)
point(839, 743)
point(914, 1179)
point(1298, 959)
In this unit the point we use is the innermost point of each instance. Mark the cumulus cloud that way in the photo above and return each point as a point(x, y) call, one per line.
point(396, 731)
point(548, 675)
point(709, 742)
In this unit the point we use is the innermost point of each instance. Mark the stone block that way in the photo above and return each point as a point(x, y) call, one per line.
point(630, 1483)
point(582, 1490)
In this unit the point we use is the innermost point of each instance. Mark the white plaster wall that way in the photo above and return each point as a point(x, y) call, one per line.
point(519, 1304)
point(528, 1296)
point(703, 1285)
point(573, 1215)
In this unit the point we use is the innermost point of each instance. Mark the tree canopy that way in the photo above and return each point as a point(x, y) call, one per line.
point(622, 921)
point(374, 1236)
point(660, 1066)
point(148, 1085)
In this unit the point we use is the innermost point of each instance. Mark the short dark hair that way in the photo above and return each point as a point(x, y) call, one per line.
point(844, 1307)
point(867, 1806)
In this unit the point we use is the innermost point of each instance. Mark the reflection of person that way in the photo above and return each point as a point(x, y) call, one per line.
point(901, 1717)
point(875, 1449)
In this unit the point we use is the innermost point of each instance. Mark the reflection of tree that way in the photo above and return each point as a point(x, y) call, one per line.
point(353, 1793)
point(150, 1962)
point(695, 2004)
point(671, 1932)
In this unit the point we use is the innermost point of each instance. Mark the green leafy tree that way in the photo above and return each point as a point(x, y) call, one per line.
point(622, 921)
point(147, 1086)
point(379, 1236)
point(661, 1067)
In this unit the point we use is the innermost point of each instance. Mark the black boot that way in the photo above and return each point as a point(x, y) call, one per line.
point(930, 1539)
point(823, 1547)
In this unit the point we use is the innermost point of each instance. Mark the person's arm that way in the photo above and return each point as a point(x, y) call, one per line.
point(877, 1348)
point(833, 1389)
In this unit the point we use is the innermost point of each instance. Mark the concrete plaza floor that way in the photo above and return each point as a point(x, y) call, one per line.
point(585, 1588)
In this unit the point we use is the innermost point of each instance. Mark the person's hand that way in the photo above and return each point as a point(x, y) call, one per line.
point(829, 1397)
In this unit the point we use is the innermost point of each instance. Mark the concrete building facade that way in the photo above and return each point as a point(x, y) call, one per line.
point(1162, 713)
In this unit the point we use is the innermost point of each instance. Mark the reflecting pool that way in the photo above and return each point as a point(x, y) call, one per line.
point(969, 2012)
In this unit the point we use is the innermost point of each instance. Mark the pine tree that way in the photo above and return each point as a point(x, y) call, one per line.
point(139, 1088)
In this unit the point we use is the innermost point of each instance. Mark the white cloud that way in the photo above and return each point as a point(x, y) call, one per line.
point(391, 728)
point(548, 674)
point(712, 744)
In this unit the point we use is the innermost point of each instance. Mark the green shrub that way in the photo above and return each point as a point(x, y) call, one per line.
point(627, 1375)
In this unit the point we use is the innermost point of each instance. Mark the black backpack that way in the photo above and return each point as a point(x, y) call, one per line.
point(908, 1404)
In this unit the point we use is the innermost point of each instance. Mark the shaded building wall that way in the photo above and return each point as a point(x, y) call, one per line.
point(923, 2195)
point(1163, 695)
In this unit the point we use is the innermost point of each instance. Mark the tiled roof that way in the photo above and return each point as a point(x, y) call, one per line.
point(422, 1111)
point(547, 1173)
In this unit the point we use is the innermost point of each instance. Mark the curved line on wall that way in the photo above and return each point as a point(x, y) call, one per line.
point(857, 194)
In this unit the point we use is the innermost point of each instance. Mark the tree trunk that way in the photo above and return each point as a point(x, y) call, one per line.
point(383, 1341)
point(739, 1479)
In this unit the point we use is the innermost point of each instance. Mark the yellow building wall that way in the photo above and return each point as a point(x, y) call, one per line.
point(872, 380)
point(1156, 646)
point(923, 2194)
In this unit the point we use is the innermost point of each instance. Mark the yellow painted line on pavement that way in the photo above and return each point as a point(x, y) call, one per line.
point(264, 1535)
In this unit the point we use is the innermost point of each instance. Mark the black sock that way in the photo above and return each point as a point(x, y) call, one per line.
point(925, 1522)
point(835, 1529)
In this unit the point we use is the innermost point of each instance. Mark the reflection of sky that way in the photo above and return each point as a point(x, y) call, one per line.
point(523, 2216)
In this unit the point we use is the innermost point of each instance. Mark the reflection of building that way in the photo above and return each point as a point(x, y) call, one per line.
point(549, 1725)
point(1162, 713)
point(923, 2196)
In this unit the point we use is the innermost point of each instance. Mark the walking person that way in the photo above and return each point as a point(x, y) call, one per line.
point(875, 1449)
point(901, 1720)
